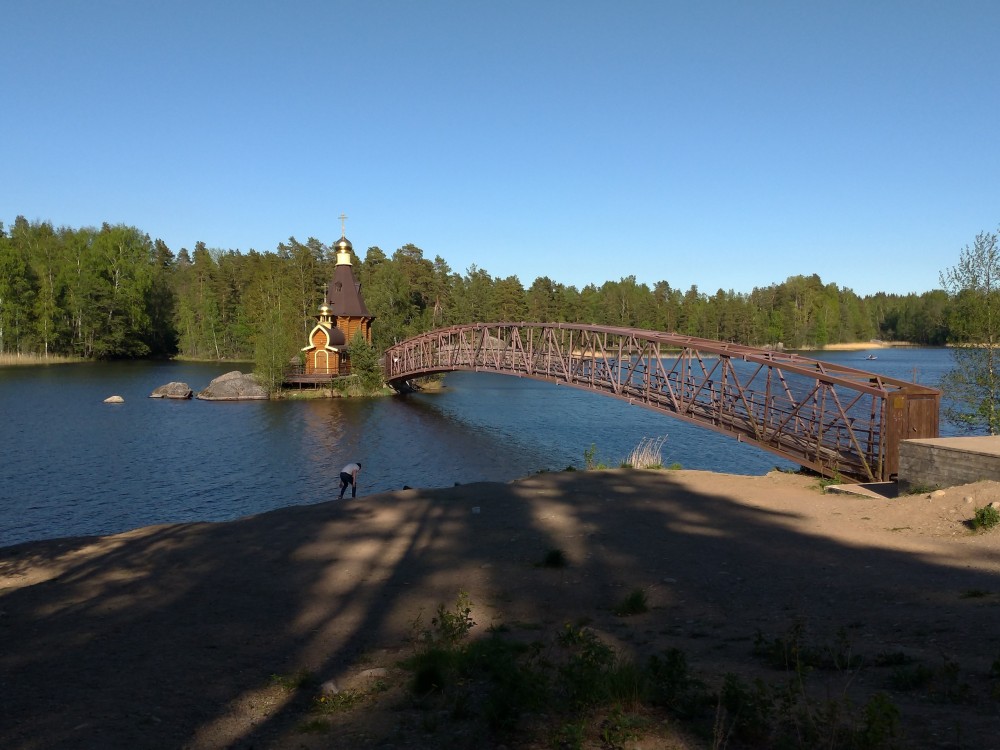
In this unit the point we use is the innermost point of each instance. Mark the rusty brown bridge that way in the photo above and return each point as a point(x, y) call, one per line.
point(838, 421)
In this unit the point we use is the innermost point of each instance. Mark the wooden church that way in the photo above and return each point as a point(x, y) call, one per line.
point(342, 314)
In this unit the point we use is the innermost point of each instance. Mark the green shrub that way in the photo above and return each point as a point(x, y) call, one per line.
point(985, 518)
point(450, 627)
point(634, 603)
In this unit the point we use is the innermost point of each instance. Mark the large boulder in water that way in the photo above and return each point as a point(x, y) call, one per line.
point(172, 390)
point(234, 386)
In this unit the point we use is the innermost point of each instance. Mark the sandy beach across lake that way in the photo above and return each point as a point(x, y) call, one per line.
point(171, 636)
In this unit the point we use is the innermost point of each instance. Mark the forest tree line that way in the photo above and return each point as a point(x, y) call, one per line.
point(111, 292)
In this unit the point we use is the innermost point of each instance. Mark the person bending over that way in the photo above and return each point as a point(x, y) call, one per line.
point(349, 476)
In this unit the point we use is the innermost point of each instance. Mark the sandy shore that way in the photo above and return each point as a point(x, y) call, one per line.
point(169, 637)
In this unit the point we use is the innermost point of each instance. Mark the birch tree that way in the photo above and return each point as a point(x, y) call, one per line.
point(972, 387)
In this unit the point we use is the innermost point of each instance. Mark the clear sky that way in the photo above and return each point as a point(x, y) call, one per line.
point(724, 144)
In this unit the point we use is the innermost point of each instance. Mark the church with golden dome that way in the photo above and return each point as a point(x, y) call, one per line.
point(342, 314)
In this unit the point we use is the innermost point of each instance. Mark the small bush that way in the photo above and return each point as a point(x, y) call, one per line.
point(450, 627)
point(595, 674)
point(672, 686)
point(985, 518)
point(634, 603)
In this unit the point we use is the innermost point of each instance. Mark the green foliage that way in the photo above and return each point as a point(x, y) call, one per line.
point(985, 518)
point(792, 652)
point(590, 694)
point(672, 685)
point(973, 385)
point(831, 481)
point(113, 293)
point(881, 726)
point(594, 673)
point(452, 626)
point(274, 324)
point(942, 684)
point(366, 363)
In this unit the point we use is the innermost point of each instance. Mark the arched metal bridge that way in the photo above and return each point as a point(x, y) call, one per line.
point(838, 421)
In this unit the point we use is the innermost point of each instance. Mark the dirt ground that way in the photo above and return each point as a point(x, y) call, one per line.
point(171, 636)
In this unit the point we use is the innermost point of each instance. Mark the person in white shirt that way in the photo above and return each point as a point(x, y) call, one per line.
point(349, 476)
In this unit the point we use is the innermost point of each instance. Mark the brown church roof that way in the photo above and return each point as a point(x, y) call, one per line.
point(344, 294)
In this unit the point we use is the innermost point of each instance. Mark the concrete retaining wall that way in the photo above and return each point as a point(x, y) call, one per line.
point(946, 462)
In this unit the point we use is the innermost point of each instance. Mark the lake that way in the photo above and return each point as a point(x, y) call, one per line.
point(73, 465)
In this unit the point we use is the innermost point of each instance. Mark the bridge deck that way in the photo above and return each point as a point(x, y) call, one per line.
point(836, 420)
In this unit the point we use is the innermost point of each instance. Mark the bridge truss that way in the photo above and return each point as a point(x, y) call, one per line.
point(835, 420)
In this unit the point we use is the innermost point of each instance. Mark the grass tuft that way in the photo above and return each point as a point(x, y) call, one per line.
point(634, 603)
point(648, 454)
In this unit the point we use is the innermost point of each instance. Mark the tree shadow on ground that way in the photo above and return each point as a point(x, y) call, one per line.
point(170, 636)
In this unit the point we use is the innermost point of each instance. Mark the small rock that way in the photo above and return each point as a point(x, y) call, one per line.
point(995, 505)
point(329, 688)
point(376, 672)
point(114, 400)
point(968, 499)
point(938, 493)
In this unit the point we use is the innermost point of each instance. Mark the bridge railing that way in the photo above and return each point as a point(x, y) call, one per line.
point(836, 420)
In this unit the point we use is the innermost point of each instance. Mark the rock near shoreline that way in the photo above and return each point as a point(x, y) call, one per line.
point(234, 386)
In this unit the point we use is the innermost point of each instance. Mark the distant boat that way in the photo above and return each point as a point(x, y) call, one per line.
point(871, 356)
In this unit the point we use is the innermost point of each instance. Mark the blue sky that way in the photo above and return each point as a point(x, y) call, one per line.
point(723, 144)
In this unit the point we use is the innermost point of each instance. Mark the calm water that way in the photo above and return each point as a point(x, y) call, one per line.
point(72, 465)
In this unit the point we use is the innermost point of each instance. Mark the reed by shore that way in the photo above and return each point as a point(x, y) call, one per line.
point(11, 358)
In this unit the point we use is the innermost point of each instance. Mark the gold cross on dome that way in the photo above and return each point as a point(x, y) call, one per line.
point(343, 218)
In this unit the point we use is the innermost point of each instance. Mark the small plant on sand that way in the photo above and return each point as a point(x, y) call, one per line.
point(974, 594)
point(648, 454)
point(830, 481)
point(434, 665)
point(595, 674)
point(292, 682)
point(452, 626)
point(590, 459)
point(985, 518)
point(921, 489)
point(634, 603)
point(554, 558)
